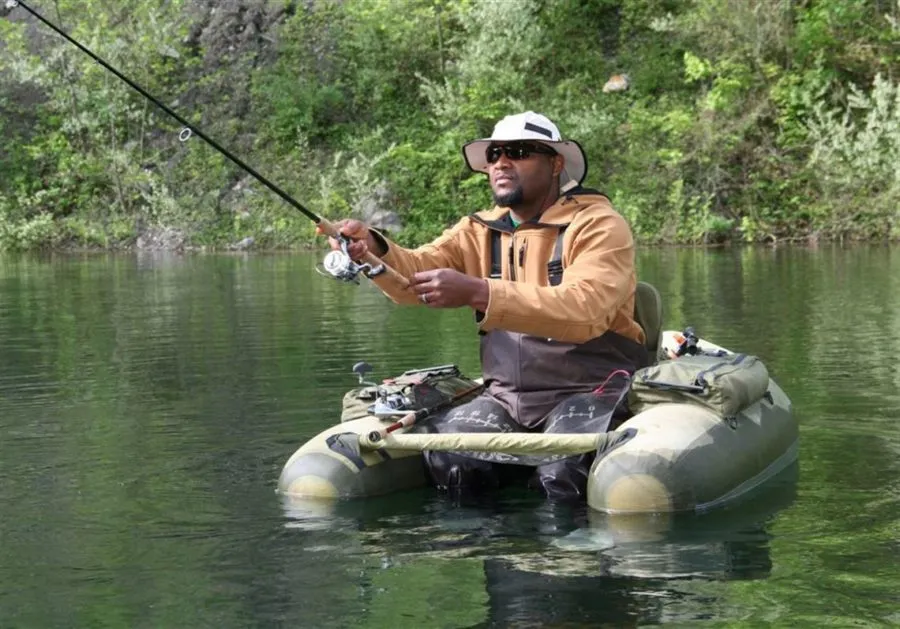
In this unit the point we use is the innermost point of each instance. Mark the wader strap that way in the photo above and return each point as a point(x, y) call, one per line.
point(555, 266)
point(496, 267)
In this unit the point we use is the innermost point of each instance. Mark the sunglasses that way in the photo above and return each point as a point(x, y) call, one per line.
point(515, 152)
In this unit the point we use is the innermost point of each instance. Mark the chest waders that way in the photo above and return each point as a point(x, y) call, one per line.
point(559, 477)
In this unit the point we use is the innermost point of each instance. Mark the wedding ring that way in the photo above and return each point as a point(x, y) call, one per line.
point(423, 298)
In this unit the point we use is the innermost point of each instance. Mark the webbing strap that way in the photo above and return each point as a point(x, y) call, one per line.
point(554, 267)
point(701, 377)
point(496, 267)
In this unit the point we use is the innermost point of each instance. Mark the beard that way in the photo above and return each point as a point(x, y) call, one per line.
point(511, 198)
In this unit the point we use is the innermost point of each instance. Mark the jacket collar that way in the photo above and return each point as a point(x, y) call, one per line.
point(559, 214)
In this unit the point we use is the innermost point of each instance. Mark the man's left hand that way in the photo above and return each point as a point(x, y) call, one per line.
point(446, 288)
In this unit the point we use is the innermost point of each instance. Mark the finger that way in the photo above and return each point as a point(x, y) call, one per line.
point(436, 300)
point(352, 228)
point(357, 249)
point(423, 277)
point(332, 235)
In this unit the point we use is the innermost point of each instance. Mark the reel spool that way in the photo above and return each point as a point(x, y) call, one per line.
point(338, 265)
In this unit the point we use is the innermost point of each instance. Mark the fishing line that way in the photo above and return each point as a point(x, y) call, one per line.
point(337, 263)
point(189, 128)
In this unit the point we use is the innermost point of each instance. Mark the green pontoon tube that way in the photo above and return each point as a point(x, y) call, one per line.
point(709, 426)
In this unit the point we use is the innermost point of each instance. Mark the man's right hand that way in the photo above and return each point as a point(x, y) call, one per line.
point(361, 239)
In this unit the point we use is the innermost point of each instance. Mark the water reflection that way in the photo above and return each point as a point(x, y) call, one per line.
point(728, 543)
point(542, 563)
point(148, 404)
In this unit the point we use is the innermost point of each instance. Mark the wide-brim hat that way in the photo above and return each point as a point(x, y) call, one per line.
point(535, 128)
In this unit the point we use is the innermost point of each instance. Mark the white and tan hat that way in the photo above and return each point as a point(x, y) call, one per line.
point(536, 128)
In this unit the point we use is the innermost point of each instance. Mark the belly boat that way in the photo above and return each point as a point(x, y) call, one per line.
point(671, 456)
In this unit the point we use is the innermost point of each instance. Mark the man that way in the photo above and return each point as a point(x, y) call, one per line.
point(549, 272)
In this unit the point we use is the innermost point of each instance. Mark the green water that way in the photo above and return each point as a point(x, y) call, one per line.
point(148, 402)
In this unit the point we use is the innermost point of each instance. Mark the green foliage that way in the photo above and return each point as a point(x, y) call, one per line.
point(856, 150)
point(503, 42)
point(37, 232)
point(416, 172)
point(742, 122)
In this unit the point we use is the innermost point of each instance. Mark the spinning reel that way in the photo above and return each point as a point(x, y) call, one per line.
point(339, 265)
point(386, 403)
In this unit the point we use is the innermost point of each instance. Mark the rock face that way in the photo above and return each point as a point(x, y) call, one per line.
point(160, 239)
point(375, 209)
point(6, 7)
point(231, 38)
point(386, 221)
point(243, 244)
point(229, 31)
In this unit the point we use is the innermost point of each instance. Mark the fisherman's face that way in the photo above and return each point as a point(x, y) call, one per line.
point(522, 173)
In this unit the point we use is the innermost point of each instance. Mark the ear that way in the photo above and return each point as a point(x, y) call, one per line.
point(559, 163)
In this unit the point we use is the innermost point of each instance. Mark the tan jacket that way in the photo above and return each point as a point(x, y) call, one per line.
point(596, 294)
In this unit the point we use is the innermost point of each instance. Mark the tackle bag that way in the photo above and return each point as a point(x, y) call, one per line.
point(410, 391)
point(726, 384)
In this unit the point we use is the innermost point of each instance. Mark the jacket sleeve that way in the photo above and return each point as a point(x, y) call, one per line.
point(443, 253)
point(598, 281)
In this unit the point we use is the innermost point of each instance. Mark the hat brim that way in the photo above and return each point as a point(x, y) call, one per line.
point(575, 168)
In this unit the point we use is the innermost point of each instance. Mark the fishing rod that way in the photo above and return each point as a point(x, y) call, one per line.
point(337, 263)
point(376, 437)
